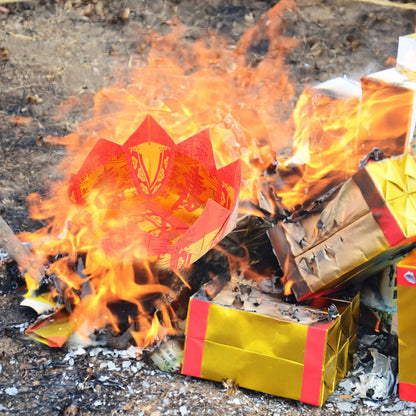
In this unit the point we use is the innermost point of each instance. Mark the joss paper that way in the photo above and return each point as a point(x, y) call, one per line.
point(368, 225)
point(262, 343)
point(380, 290)
point(170, 199)
point(53, 330)
point(378, 297)
point(406, 309)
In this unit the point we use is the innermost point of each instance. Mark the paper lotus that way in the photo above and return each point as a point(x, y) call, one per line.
point(169, 198)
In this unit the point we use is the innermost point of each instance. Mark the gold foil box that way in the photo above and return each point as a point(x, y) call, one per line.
point(406, 309)
point(369, 224)
point(262, 343)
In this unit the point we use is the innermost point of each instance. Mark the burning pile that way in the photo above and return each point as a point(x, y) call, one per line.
point(134, 215)
point(145, 206)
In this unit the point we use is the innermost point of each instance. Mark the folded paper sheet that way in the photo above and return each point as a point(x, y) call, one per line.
point(369, 224)
point(178, 204)
point(53, 330)
point(406, 308)
point(267, 345)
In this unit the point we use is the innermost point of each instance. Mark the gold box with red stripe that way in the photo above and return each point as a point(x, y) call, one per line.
point(369, 224)
point(265, 344)
point(406, 309)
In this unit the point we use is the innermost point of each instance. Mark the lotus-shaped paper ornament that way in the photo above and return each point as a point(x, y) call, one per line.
point(169, 199)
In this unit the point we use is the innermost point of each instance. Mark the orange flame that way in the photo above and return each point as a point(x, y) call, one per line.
point(333, 134)
point(187, 88)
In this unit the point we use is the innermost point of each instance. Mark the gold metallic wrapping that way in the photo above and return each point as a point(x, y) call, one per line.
point(272, 354)
point(369, 224)
point(406, 309)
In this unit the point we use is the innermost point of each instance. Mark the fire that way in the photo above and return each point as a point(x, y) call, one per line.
point(188, 88)
point(101, 267)
point(332, 135)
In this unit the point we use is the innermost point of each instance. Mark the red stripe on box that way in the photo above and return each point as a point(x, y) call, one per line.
point(313, 364)
point(385, 219)
point(407, 391)
point(406, 276)
point(195, 337)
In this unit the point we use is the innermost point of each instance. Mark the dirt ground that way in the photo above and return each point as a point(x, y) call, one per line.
point(51, 51)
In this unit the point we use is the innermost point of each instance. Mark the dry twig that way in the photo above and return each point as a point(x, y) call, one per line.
point(19, 252)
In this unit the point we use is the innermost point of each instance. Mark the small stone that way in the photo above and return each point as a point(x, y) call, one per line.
point(125, 14)
point(4, 53)
point(11, 391)
point(183, 410)
point(347, 407)
point(88, 10)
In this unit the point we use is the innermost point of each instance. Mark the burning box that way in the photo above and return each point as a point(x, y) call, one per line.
point(262, 343)
point(388, 112)
point(317, 117)
point(406, 292)
point(368, 225)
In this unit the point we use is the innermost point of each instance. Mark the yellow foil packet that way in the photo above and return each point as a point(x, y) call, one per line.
point(295, 351)
point(406, 307)
point(368, 225)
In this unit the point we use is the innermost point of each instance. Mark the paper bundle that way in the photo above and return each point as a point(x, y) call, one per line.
point(262, 343)
point(406, 292)
point(368, 225)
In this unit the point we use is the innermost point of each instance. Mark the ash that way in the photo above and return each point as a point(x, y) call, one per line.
point(80, 380)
